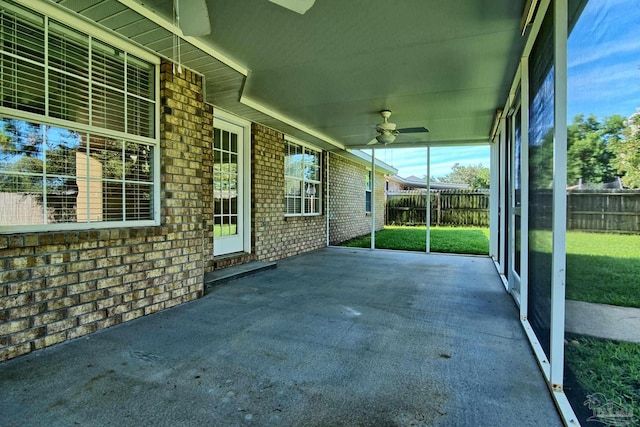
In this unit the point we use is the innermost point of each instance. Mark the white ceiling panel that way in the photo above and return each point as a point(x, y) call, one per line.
point(326, 74)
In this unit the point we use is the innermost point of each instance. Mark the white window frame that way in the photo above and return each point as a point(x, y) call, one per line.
point(368, 190)
point(52, 11)
point(305, 147)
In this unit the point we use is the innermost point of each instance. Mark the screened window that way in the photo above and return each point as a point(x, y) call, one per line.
point(540, 169)
point(77, 126)
point(367, 192)
point(302, 180)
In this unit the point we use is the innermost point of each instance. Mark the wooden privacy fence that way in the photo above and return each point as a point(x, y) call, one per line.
point(609, 211)
point(604, 210)
point(448, 207)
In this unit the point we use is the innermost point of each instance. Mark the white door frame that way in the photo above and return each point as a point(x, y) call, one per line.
point(515, 285)
point(244, 202)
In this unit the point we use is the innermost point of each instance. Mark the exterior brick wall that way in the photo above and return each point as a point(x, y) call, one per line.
point(347, 204)
point(225, 261)
point(207, 188)
point(274, 235)
point(393, 185)
point(61, 285)
point(56, 286)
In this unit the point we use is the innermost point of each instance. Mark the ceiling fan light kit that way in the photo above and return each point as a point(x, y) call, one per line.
point(387, 131)
point(386, 138)
point(298, 6)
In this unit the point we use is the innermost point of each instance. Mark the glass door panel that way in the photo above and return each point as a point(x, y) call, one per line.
point(227, 188)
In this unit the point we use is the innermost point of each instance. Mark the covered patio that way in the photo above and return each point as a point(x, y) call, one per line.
point(336, 336)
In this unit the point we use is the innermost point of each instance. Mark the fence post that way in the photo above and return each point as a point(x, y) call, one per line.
point(427, 207)
point(569, 201)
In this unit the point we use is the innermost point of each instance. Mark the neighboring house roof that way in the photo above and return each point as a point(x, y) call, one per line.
point(415, 182)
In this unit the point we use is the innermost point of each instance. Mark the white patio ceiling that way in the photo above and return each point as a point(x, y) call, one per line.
point(324, 76)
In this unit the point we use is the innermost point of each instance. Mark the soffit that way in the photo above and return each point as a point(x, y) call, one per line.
point(324, 76)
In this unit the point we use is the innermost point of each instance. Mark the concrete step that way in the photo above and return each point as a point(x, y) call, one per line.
point(224, 275)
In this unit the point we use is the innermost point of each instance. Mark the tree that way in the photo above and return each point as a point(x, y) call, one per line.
point(627, 151)
point(541, 163)
point(589, 153)
point(23, 150)
point(20, 157)
point(476, 176)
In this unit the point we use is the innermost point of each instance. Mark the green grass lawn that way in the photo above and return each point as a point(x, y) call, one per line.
point(609, 368)
point(603, 268)
point(461, 240)
point(224, 230)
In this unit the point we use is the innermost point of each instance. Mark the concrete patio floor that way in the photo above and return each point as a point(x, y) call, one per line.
point(335, 337)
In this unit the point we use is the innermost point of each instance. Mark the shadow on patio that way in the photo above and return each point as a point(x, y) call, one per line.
point(335, 337)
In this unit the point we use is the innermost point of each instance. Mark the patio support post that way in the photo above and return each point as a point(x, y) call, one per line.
point(373, 198)
point(327, 199)
point(558, 262)
point(524, 190)
point(502, 207)
point(493, 198)
point(428, 205)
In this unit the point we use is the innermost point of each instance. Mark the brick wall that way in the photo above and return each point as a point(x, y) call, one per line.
point(394, 185)
point(61, 285)
point(274, 235)
point(207, 188)
point(347, 204)
point(57, 286)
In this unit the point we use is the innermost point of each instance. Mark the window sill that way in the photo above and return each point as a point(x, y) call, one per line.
point(288, 217)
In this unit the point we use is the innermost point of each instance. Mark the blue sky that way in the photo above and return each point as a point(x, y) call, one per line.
point(604, 60)
point(413, 161)
point(603, 79)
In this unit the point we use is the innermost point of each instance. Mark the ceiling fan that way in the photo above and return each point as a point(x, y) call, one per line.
point(196, 13)
point(298, 6)
point(387, 131)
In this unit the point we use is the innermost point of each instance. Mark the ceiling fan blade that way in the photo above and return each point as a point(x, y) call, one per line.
point(413, 130)
point(299, 6)
point(194, 17)
point(373, 142)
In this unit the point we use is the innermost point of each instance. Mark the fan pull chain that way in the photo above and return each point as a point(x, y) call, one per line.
point(176, 39)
